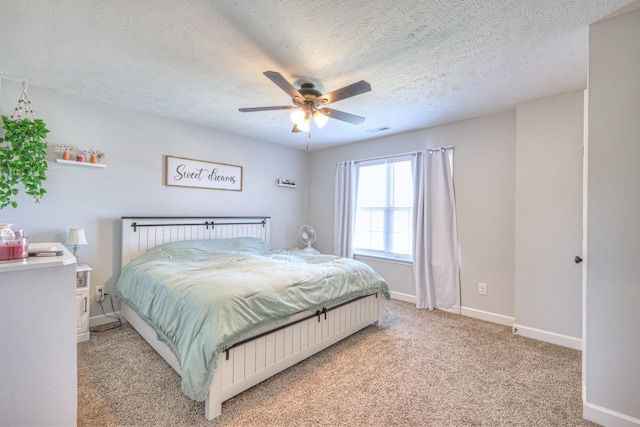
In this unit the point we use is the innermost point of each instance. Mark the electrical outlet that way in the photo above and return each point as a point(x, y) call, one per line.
point(482, 289)
point(99, 293)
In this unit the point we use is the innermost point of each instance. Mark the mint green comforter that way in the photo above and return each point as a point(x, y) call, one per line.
point(203, 296)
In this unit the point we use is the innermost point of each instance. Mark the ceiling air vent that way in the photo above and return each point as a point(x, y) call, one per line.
point(376, 130)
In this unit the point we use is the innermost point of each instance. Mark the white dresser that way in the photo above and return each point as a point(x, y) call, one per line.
point(38, 362)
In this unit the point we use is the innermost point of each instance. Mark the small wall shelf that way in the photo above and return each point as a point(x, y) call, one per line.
point(75, 163)
point(285, 183)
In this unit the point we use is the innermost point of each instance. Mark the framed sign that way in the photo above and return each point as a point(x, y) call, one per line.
point(181, 172)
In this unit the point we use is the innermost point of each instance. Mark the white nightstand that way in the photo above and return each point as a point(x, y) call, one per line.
point(83, 283)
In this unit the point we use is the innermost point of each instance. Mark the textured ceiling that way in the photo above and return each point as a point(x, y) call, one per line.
point(428, 61)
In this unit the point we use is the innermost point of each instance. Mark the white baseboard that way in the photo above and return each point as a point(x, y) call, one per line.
point(465, 311)
point(403, 297)
point(101, 319)
point(540, 335)
point(488, 316)
point(607, 417)
point(546, 336)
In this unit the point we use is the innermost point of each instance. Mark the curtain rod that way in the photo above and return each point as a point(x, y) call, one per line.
point(412, 153)
point(448, 147)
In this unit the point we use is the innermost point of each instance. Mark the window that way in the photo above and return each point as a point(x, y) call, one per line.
point(384, 208)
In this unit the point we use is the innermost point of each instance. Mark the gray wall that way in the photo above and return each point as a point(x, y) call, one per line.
point(612, 350)
point(133, 181)
point(484, 176)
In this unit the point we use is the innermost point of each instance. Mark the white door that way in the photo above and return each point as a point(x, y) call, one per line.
point(549, 161)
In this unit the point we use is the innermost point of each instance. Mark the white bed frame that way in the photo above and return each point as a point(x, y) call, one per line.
point(252, 361)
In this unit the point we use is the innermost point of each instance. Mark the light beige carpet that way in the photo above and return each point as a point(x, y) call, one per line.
point(420, 368)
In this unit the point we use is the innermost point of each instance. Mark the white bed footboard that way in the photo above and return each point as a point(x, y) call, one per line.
point(260, 358)
point(253, 361)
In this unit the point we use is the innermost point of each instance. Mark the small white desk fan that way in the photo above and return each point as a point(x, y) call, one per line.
point(307, 236)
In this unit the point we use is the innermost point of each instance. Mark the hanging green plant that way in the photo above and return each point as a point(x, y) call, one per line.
point(23, 156)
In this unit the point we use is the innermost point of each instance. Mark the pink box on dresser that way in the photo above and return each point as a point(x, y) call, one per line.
point(14, 249)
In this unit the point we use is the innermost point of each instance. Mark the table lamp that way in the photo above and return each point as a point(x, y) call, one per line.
point(76, 238)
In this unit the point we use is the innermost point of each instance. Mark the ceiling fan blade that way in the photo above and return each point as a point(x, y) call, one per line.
point(346, 92)
point(295, 129)
point(341, 115)
point(283, 107)
point(283, 84)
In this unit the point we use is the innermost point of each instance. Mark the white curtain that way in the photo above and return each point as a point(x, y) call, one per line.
point(344, 209)
point(435, 251)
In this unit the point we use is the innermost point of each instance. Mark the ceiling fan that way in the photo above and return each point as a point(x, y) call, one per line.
point(309, 102)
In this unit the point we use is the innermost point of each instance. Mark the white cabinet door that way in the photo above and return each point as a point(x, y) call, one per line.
point(82, 313)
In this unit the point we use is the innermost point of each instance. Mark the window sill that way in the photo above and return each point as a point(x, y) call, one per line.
point(383, 259)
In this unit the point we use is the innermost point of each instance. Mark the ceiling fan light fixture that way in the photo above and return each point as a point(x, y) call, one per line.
point(307, 102)
point(298, 116)
point(320, 119)
point(304, 125)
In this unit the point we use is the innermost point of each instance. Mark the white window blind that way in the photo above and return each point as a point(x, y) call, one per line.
point(384, 208)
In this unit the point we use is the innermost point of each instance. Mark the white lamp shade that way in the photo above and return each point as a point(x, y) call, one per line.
point(76, 237)
point(320, 119)
point(298, 116)
point(304, 126)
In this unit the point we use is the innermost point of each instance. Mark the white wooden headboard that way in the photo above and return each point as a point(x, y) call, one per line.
point(139, 234)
